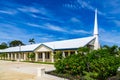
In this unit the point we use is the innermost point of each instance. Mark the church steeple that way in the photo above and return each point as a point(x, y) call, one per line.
point(95, 24)
point(96, 34)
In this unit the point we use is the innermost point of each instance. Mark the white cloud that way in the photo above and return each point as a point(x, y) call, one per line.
point(74, 19)
point(55, 28)
point(10, 32)
point(85, 4)
point(117, 22)
point(80, 31)
point(70, 6)
point(34, 16)
point(112, 7)
point(31, 9)
point(110, 38)
point(47, 26)
point(52, 27)
point(28, 9)
point(33, 25)
point(78, 4)
point(10, 12)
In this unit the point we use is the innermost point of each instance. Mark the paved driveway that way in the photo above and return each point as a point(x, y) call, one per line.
point(15, 71)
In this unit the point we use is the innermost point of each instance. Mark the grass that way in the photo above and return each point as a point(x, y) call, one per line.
point(38, 62)
point(29, 61)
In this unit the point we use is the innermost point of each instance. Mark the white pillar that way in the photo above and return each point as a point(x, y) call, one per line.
point(68, 53)
point(63, 54)
point(22, 56)
point(15, 56)
point(43, 56)
point(11, 56)
point(19, 56)
point(25, 57)
point(76, 52)
point(36, 56)
point(52, 56)
point(40, 72)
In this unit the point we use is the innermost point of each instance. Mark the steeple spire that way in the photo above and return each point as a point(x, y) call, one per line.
point(95, 24)
point(96, 43)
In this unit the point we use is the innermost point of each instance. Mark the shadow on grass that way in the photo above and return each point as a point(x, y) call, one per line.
point(64, 75)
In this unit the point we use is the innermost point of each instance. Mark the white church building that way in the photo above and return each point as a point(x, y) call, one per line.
point(44, 52)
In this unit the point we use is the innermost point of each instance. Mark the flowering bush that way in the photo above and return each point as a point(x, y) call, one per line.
point(97, 64)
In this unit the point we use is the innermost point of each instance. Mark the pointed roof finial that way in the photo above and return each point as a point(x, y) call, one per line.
point(95, 24)
point(96, 35)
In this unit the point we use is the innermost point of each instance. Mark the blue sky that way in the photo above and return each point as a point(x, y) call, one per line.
point(51, 20)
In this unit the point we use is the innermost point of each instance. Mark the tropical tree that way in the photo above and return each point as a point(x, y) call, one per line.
point(3, 55)
point(3, 45)
point(111, 49)
point(32, 56)
point(32, 41)
point(15, 43)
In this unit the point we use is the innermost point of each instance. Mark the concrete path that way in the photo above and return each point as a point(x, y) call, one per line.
point(30, 69)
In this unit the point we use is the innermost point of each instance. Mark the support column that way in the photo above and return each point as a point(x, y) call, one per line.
point(52, 56)
point(15, 56)
point(11, 56)
point(68, 53)
point(25, 57)
point(63, 54)
point(36, 56)
point(22, 54)
point(43, 56)
point(19, 57)
point(76, 52)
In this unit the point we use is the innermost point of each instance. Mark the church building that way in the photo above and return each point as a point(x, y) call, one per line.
point(44, 52)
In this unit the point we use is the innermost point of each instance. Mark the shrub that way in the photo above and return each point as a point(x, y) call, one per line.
point(96, 64)
point(32, 56)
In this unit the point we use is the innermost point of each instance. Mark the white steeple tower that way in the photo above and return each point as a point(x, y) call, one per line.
point(96, 35)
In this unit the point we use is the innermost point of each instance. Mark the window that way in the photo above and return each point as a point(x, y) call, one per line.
point(72, 52)
point(66, 54)
point(40, 55)
point(47, 55)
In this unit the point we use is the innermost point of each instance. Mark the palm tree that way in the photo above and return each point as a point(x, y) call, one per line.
point(32, 41)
